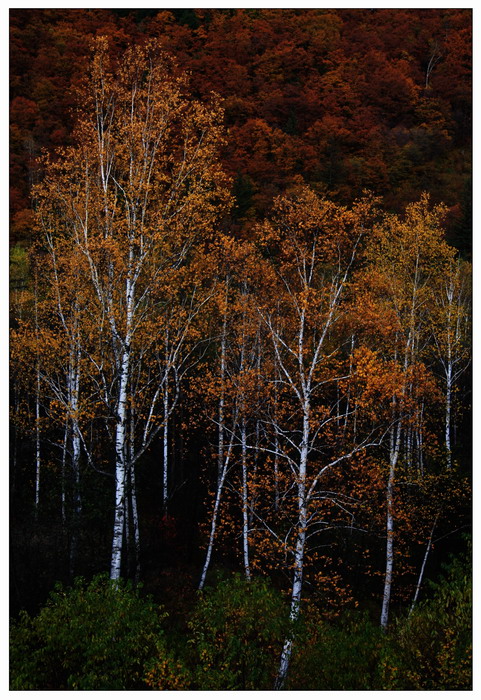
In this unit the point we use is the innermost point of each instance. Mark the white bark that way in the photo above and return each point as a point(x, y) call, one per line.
point(423, 566)
point(394, 455)
point(451, 339)
point(449, 374)
point(63, 476)
point(120, 436)
point(245, 503)
point(215, 512)
point(133, 495)
point(296, 594)
point(135, 521)
point(165, 448)
point(37, 444)
point(221, 407)
point(120, 471)
point(297, 361)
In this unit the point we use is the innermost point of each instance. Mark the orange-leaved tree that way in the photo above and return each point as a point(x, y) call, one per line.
point(313, 245)
point(406, 258)
point(133, 200)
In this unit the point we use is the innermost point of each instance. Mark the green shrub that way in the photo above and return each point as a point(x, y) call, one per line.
point(237, 632)
point(167, 671)
point(432, 649)
point(94, 636)
point(336, 655)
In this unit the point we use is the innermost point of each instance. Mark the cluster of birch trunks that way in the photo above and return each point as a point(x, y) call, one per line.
point(321, 356)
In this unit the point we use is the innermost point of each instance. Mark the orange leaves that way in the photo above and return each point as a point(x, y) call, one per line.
point(378, 380)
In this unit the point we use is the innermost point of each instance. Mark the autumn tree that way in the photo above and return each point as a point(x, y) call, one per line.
point(313, 244)
point(406, 259)
point(450, 322)
point(133, 199)
point(231, 387)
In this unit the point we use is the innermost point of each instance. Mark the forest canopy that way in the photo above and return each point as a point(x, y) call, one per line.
point(240, 338)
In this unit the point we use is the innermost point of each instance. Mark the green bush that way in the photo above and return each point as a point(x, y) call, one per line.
point(94, 636)
point(237, 631)
point(338, 655)
point(432, 649)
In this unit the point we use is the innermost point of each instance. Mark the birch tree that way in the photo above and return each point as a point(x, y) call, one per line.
point(135, 195)
point(406, 257)
point(231, 386)
point(316, 244)
point(451, 325)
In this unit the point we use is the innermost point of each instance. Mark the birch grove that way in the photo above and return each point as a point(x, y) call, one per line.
point(279, 399)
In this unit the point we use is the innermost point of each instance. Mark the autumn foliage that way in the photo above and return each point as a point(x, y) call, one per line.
point(240, 343)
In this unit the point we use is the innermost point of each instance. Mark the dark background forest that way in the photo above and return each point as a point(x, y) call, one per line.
point(361, 118)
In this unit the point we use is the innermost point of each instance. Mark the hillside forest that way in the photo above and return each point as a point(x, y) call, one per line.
point(240, 349)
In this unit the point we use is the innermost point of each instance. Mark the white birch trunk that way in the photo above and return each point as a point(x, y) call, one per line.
point(135, 521)
point(77, 501)
point(423, 566)
point(165, 447)
point(73, 392)
point(215, 514)
point(299, 554)
point(37, 444)
point(221, 408)
point(449, 387)
point(213, 526)
point(64, 463)
point(120, 465)
point(394, 454)
point(245, 519)
point(133, 496)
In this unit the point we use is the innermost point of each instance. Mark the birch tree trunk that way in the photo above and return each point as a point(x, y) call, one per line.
point(120, 472)
point(215, 512)
point(245, 503)
point(165, 446)
point(135, 521)
point(394, 454)
point(221, 407)
point(449, 388)
point(37, 444)
point(423, 566)
point(296, 594)
point(121, 437)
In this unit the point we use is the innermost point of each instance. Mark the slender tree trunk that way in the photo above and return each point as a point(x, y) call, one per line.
point(215, 514)
point(127, 519)
point(420, 441)
point(74, 382)
point(276, 472)
point(245, 505)
point(449, 384)
point(63, 498)
point(37, 444)
point(394, 454)
point(120, 466)
point(409, 446)
point(77, 501)
point(165, 447)
point(121, 430)
point(298, 557)
point(423, 566)
point(221, 407)
point(135, 521)
point(133, 496)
